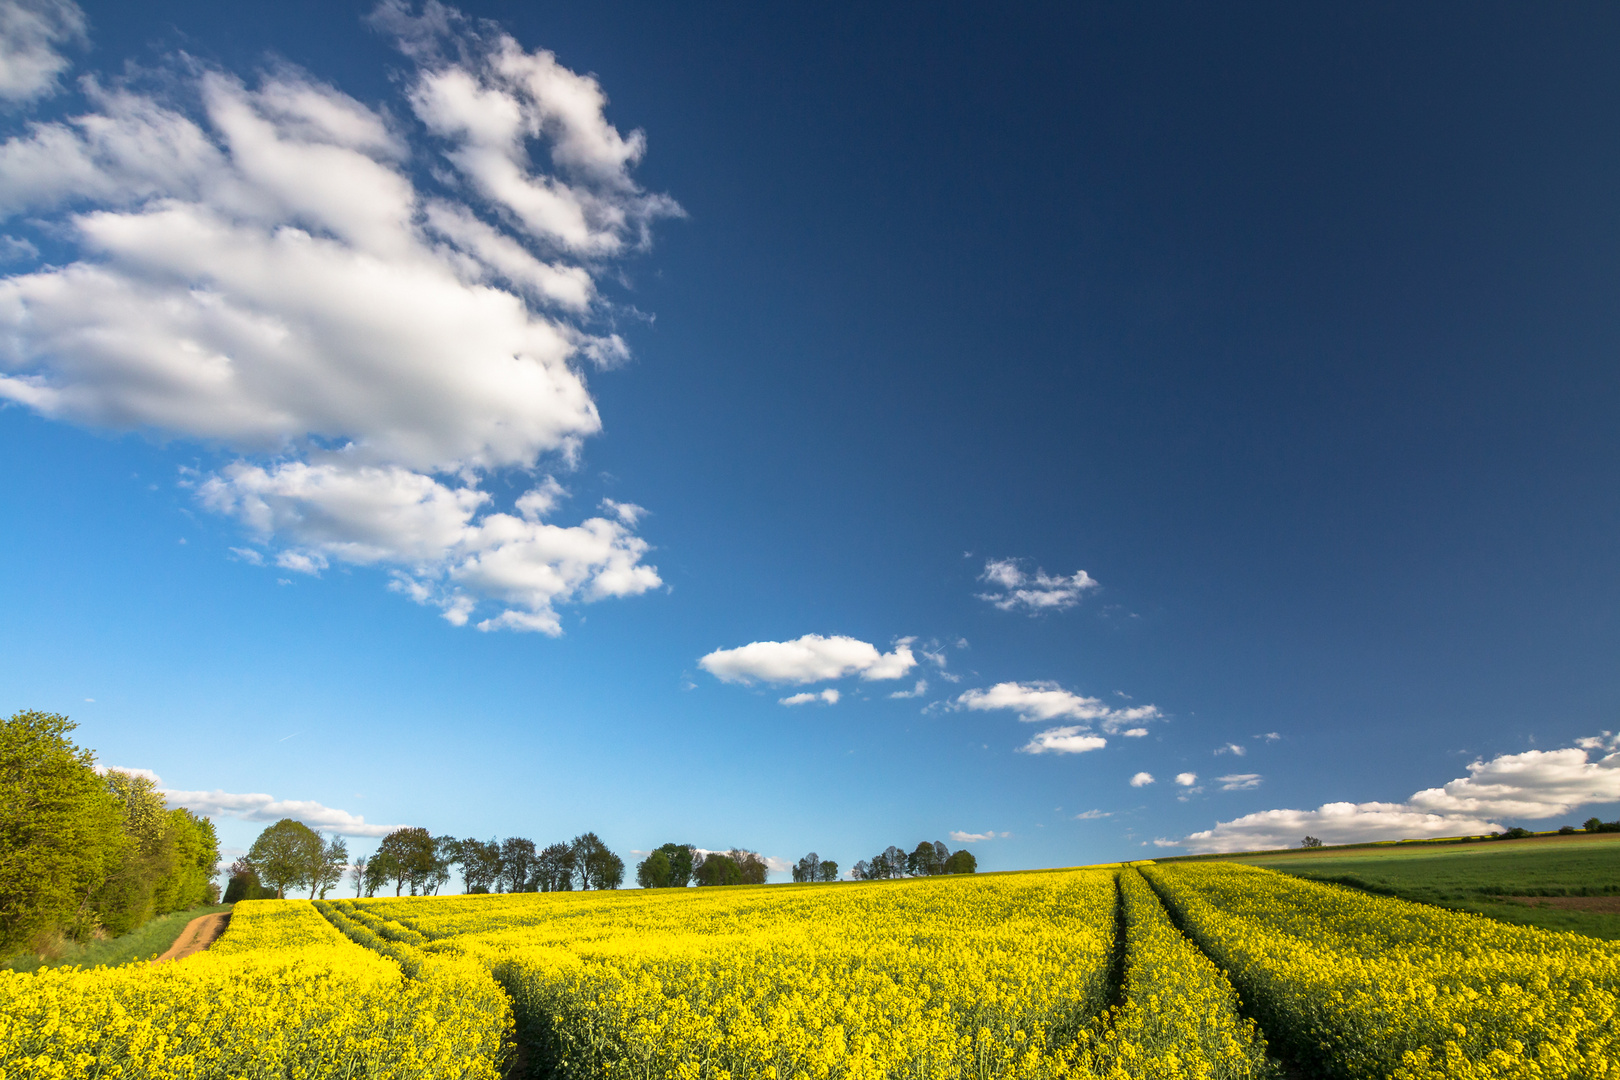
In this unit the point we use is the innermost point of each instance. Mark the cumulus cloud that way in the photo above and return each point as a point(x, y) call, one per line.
point(915, 692)
point(261, 807)
point(1013, 589)
point(1142, 779)
point(1534, 785)
point(828, 696)
point(1037, 702)
point(811, 658)
point(31, 34)
point(1186, 779)
point(1069, 739)
point(258, 269)
point(1239, 781)
point(959, 837)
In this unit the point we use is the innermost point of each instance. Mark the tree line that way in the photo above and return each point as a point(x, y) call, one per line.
point(290, 855)
point(675, 866)
point(925, 860)
point(86, 853)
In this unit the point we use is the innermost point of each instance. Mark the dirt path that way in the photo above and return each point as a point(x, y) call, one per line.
point(199, 933)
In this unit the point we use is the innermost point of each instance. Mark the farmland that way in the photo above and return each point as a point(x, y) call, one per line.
point(1211, 970)
point(1554, 882)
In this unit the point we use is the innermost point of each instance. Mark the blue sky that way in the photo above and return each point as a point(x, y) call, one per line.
point(1184, 428)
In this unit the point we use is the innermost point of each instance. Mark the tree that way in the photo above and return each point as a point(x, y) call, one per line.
point(680, 863)
point(409, 856)
point(480, 864)
point(962, 862)
point(286, 855)
point(808, 868)
point(554, 868)
point(862, 871)
point(244, 883)
point(329, 870)
point(517, 865)
point(357, 874)
point(653, 871)
point(750, 865)
point(927, 860)
point(595, 867)
point(1310, 842)
point(192, 855)
point(828, 871)
point(717, 868)
point(380, 870)
point(1593, 825)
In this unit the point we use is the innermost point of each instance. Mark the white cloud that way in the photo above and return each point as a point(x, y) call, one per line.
point(1093, 815)
point(959, 837)
point(1235, 749)
point(30, 32)
point(1186, 779)
point(1239, 781)
point(264, 273)
point(1063, 740)
point(1134, 733)
point(1534, 785)
point(828, 696)
point(148, 773)
point(915, 692)
point(1016, 590)
point(260, 807)
point(1270, 736)
point(1037, 702)
point(1161, 842)
point(1142, 779)
point(811, 658)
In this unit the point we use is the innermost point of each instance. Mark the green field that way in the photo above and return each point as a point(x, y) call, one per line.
point(1529, 882)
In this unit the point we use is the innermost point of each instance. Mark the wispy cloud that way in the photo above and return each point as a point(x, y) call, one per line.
point(1014, 589)
point(959, 837)
point(1239, 781)
point(258, 806)
point(828, 696)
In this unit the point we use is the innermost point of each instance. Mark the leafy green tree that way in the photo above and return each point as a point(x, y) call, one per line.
point(927, 860)
point(193, 858)
point(808, 868)
point(410, 857)
point(480, 864)
point(653, 871)
point(828, 871)
point(680, 863)
point(554, 869)
point(717, 868)
point(517, 865)
point(286, 855)
point(60, 830)
point(595, 867)
point(962, 862)
point(1310, 842)
point(381, 868)
point(750, 865)
point(329, 870)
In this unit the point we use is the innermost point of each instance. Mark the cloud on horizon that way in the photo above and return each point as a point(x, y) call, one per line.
point(261, 807)
point(1531, 786)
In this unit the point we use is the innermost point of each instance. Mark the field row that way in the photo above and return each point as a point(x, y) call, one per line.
point(1079, 973)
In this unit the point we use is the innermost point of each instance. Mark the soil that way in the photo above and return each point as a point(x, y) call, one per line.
point(1607, 904)
point(199, 933)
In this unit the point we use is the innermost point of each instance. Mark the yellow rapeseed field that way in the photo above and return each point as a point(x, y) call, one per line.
point(282, 995)
point(1066, 975)
point(1367, 986)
